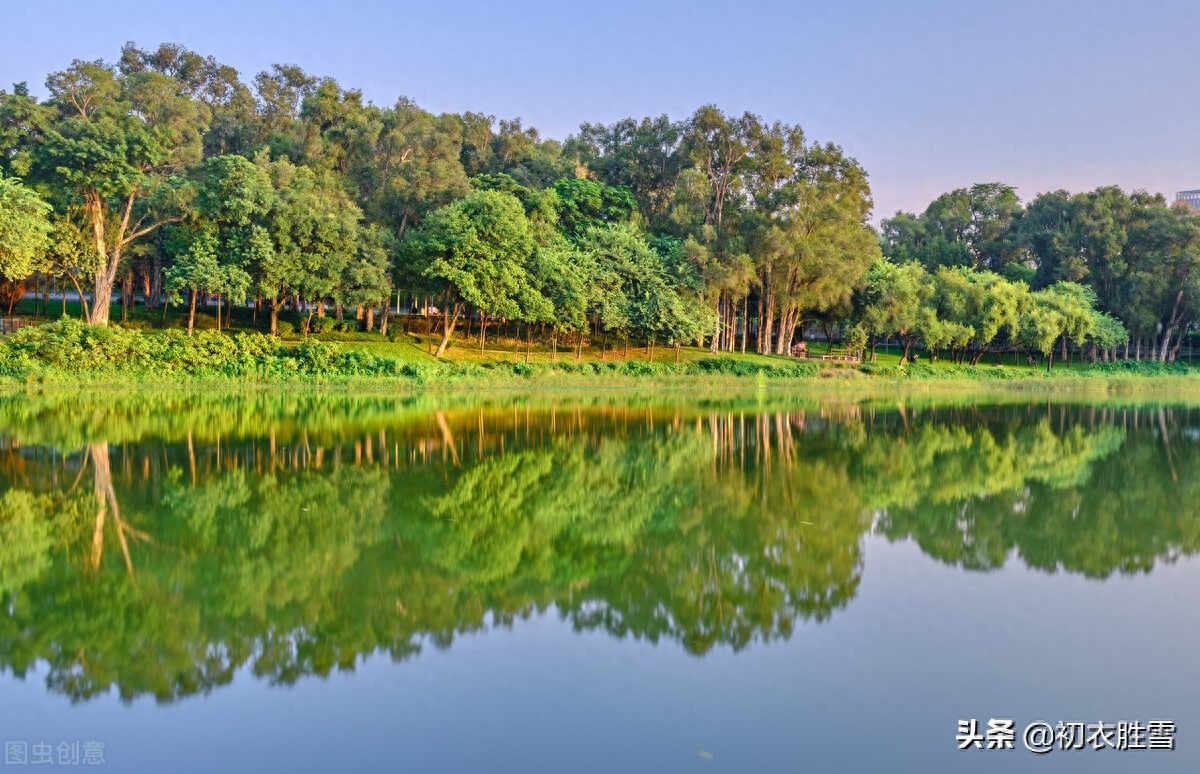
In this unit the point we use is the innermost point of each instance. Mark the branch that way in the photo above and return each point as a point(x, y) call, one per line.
point(138, 223)
point(125, 215)
point(151, 227)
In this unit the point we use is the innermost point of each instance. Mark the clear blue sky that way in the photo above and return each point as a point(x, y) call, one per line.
point(929, 95)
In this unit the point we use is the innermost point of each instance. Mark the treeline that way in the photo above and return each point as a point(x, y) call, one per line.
point(1114, 275)
point(165, 176)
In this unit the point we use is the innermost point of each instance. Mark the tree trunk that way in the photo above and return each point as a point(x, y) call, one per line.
point(731, 326)
point(758, 338)
point(716, 341)
point(447, 328)
point(768, 315)
point(156, 284)
point(192, 316)
point(370, 323)
point(101, 297)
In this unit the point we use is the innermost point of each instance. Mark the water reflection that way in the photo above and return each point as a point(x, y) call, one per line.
point(157, 546)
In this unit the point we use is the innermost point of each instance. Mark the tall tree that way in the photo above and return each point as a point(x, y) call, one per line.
point(118, 143)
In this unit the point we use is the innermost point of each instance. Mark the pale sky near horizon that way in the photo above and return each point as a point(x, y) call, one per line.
point(930, 95)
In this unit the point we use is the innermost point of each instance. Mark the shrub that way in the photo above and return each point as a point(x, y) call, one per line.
point(313, 356)
point(321, 325)
point(135, 325)
point(418, 372)
point(641, 368)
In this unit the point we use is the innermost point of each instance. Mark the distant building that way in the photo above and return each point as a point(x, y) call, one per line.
point(1190, 198)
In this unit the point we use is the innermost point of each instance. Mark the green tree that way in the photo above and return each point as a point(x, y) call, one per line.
point(890, 303)
point(227, 235)
point(367, 278)
point(195, 267)
point(25, 231)
point(479, 251)
point(313, 228)
point(118, 142)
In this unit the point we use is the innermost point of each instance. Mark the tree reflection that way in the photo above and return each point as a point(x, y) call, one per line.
point(160, 565)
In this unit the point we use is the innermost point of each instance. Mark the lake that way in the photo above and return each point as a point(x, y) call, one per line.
point(659, 583)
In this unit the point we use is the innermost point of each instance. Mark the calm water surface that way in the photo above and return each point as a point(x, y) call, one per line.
point(541, 584)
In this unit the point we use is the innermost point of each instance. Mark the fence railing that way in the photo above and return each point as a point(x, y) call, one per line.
point(12, 324)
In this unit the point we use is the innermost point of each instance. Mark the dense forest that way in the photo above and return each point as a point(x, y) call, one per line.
point(166, 179)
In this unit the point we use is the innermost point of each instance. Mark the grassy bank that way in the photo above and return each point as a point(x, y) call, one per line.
point(66, 352)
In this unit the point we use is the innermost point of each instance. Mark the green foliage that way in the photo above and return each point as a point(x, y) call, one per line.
point(583, 204)
point(1127, 256)
point(69, 349)
point(24, 230)
point(322, 325)
point(480, 249)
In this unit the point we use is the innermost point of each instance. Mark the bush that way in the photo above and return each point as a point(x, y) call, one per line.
point(418, 372)
point(135, 325)
point(284, 328)
point(641, 368)
point(313, 356)
point(734, 367)
point(321, 325)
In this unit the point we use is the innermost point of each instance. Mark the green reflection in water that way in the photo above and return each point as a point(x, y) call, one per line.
point(159, 545)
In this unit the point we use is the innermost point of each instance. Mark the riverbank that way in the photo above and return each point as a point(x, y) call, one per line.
point(67, 353)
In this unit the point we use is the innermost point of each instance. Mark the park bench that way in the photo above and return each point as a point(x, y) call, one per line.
point(841, 354)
